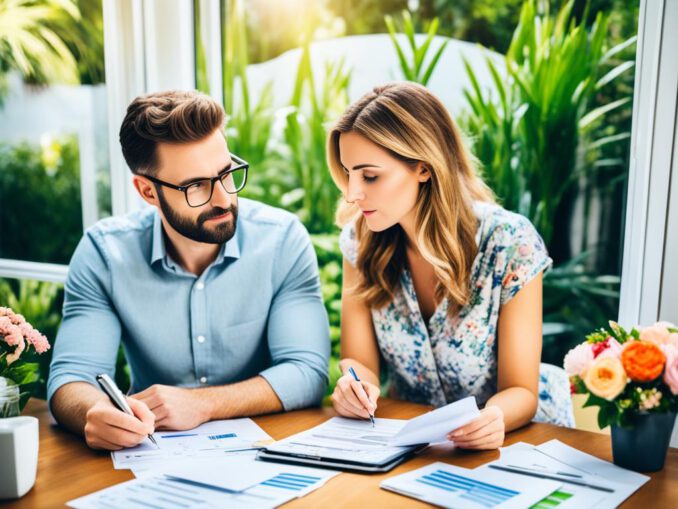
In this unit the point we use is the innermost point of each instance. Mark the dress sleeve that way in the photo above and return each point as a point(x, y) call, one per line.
point(348, 243)
point(524, 256)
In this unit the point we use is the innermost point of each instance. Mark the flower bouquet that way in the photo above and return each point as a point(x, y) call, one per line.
point(633, 378)
point(17, 337)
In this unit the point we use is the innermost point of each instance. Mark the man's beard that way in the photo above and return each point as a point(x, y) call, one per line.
point(196, 231)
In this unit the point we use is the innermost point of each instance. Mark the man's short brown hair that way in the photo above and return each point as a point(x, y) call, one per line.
point(166, 117)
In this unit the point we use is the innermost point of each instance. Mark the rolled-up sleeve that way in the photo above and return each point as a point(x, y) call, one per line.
point(298, 330)
point(89, 336)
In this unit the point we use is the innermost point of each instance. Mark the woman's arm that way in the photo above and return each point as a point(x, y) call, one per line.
point(358, 350)
point(519, 350)
point(520, 339)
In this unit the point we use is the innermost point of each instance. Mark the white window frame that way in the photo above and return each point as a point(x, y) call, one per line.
point(148, 46)
point(649, 283)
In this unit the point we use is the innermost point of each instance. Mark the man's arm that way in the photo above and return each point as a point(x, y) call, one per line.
point(180, 408)
point(87, 345)
point(298, 329)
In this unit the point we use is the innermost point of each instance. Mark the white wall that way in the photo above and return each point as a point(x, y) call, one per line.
point(373, 61)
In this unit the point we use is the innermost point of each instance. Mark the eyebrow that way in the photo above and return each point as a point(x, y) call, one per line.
point(197, 179)
point(363, 166)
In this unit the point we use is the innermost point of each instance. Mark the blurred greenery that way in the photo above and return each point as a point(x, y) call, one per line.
point(40, 196)
point(543, 140)
point(51, 41)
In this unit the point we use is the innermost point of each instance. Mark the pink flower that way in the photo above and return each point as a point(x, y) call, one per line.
point(38, 341)
point(578, 360)
point(16, 331)
point(612, 348)
point(524, 250)
point(11, 333)
point(17, 351)
point(657, 333)
point(671, 369)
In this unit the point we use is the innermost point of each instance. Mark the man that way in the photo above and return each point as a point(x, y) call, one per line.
point(216, 300)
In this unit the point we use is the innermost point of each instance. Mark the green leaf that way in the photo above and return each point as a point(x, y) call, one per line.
point(613, 74)
point(618, 48)
point(596, 113)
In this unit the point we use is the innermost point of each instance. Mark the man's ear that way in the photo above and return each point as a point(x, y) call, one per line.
point(146, 189)
point(423, 172)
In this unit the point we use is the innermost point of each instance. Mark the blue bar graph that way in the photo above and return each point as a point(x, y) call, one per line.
point(294, 482)
point(487, 495)
point(219, 437)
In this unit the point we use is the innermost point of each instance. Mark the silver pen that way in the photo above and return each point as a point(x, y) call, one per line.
point(118, 398)
point(520, 470)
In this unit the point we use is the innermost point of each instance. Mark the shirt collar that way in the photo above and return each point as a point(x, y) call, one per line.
point(229, 250)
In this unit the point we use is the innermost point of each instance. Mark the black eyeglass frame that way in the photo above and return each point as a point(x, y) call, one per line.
point(241, 164)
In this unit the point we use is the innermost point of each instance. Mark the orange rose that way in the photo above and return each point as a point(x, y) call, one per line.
point(642, 360)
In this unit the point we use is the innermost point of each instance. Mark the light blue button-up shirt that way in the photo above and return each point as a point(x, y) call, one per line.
point(256, 310)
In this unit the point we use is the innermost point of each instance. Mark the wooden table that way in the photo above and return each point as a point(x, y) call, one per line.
point(68, 469)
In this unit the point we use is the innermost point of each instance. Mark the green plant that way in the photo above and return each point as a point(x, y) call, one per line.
point(528, 138)
point(30, 42)
point(414, 69)
point(249, 126)
point(329, 259)
point(534, 139)
point(314, 196)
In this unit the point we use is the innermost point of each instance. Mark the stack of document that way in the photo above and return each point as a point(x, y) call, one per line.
point(236, 482)
point(586, 481)
point(215, 439)
point(549, 475)
point(454, 487)
point(349, 444)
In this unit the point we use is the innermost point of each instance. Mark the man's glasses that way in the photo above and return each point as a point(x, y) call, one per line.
point(199, 192)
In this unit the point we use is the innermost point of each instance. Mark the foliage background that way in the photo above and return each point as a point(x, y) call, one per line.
point(39, 184)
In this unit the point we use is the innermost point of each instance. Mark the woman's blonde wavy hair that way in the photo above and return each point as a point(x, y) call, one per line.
point(413, 125)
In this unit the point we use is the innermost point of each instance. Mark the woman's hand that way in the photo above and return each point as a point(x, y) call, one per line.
point(485, 432)
point(355, 399)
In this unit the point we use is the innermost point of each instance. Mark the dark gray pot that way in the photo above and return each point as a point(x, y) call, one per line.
point(643, 447)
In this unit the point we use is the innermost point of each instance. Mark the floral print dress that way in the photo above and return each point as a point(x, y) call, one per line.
point(456, 356)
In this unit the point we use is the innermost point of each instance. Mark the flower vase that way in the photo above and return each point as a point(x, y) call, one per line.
point(643, 446)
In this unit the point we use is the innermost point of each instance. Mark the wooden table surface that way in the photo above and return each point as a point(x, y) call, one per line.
point(68, 469)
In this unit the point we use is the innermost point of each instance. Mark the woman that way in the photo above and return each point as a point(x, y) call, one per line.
point(440, 283)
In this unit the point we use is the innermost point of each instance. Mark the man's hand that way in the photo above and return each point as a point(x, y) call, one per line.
point(174, 407)
point(108, 428)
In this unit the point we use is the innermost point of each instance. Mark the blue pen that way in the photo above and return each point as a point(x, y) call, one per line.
point(352, 371)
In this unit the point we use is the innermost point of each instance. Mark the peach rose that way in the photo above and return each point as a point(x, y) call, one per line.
point(606, 378)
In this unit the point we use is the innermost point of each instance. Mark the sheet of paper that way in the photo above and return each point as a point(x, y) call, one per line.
point(581, 467)
point(161, 492)
point(212, 439)
point(625, 481)
point(454, 487)
point(345, 439)
point(151, 468)
point(434, 426)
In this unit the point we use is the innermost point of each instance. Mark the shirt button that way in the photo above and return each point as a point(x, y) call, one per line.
point(201, 339)
point(200, 285)
point(203, 379)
